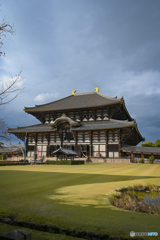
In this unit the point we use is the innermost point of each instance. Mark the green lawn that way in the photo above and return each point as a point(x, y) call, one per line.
point(76, 196)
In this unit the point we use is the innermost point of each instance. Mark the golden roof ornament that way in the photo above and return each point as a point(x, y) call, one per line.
point(97, 89)
point(73, 92)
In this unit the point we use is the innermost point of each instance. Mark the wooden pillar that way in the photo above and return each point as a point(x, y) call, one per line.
point(61, 136)
point(27, 135)
point(106, 135)
point(75, 139)
point(95, 114)
point(81, 115)
point(119, 147)
point(132, 155)
point(90, 146)
point(142, 155)
point(47, 135)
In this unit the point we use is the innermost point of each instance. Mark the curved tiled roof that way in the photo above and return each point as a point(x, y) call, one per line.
point(88, 125)
point(33, 128)
point(105, 124)
point(81, 100)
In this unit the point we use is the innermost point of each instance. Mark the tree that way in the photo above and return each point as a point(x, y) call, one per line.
point(151, 159)
point(147, 144)
point(8, 89)
point(3, 127)
point(1, 144)
point(3, 156)
point(157, 143)
point(150, 144)
point(4, 28)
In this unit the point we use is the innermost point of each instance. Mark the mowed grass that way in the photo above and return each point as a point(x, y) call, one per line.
point(76, 196)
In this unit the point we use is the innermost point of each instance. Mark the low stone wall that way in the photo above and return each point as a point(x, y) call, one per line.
point(14, 158)
point(54, 158)
point(56, 230)
point(110, 160)
point(98, 160)
point(93, 159)
point(118, 160)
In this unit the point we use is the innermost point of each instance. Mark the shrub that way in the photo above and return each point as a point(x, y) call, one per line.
point(65, 162)
point(153, 187)
point(151, 159)
point(141, 160)
point(12, 163)
point(41, 163)
point(129, 200)
point(3, 156)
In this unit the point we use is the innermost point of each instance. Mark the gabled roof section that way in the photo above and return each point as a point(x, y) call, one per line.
point(80, 100)
point(64, 118)
point(65, 151)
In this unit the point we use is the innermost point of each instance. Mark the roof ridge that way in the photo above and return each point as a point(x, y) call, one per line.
point(101, 94)
point(86, 93)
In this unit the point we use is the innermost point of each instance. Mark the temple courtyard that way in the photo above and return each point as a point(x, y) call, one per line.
point(76, 197)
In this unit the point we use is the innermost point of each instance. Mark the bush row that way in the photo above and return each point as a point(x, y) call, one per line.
point(65, 162)
point(150, 159)
point(14, 163)
point(41, 163)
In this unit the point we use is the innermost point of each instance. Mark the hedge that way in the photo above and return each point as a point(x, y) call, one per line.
point(14, 163)
point(65, 162)
point(40, 163)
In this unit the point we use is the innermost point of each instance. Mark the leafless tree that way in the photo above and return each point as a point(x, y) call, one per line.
point(9, 90)
point(4, 28)
point(3, 133)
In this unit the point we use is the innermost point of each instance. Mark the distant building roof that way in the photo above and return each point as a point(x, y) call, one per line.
point(81, 100)
point(141, 149)
point(10, 150)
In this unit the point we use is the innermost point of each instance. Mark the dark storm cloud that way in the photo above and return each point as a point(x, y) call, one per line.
point(66, 45)
point(129, 32)
point(145, 109)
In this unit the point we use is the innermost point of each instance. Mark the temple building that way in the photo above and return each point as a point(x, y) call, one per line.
point(91, 124)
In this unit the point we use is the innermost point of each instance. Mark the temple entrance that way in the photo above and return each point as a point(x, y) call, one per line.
point(84, 150)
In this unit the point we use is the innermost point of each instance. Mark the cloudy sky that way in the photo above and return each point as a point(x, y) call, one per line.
point(62, 45)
